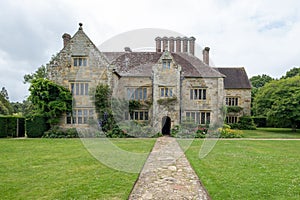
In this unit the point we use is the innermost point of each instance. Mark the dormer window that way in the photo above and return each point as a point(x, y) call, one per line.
point(79, 61)
point(166, 64)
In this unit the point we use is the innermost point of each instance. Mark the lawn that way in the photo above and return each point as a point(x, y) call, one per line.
point(271, 133)
point(62, 169)
point(249, 169)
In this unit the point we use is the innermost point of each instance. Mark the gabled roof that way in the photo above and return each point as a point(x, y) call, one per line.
point(236, 77)
point(140, 64)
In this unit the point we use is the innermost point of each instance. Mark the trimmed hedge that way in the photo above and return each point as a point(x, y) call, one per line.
point(260, 121)
point(36, 126)
point(12, 126)
point(245, 123)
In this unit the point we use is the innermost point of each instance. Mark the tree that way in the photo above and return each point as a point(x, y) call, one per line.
point(103, 107)
point(24, 108)
point(49, 99)
point(258, 82)
point(292, 72)
point(279, 102)
point(5, 107)
point(41, 72)
point(4, 93)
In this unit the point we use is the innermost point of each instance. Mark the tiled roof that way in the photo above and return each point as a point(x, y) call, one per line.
point(194, 67)
point(236, 78)
point(140, 64)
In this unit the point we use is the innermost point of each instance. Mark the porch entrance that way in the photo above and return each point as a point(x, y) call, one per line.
point(166, 125)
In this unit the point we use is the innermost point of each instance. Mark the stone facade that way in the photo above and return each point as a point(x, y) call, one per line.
point(178, 85)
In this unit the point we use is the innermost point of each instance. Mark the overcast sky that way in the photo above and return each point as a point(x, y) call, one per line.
point(262, 36)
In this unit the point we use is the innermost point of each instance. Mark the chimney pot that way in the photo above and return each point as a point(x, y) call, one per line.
point(66, 38)
point(127, 49)
point(158, 44)
point(206, 55)
point(192, 45)
point(184, 44)
point(165, 43)
point(178, 44)
point(171, 44)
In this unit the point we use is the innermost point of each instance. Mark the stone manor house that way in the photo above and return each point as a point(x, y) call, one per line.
point(176, 84)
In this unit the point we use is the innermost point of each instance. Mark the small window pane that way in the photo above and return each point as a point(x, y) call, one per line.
point(77, 88)
point(140, 93)
point(191, 94)
point(86, 89)
point(136, 115)
point(145, 93)
point(193, 116)
point(171, 92)
point(75, 61)
point(208, 118)
point(84, 62)
point(136, 94)
point(196, 94)
point(166, 92)
point(200, 94)
point(146, 115)
point(188, 115)
point(162, 92)
point(202, 117)
point(198, 117)
point(72, 88)
point(204, 94)
point(141, 115)
point(81, 88)
point(80, 62)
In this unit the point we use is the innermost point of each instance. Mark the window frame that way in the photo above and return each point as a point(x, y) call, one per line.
point(199, 94)
point(201, 117)
point(79, 61)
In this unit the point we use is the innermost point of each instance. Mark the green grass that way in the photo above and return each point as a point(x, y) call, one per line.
point(249, 169)
point(62, 169)
point(271, 133)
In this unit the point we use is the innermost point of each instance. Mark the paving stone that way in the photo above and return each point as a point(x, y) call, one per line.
point(167, 174)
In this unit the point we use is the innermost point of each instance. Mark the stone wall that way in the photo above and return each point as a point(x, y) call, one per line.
point(168, 77)
point(244, 96)
point(62, 71)
point(214, 97)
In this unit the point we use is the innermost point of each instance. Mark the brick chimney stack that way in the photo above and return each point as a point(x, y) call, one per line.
point(66, 38)
point(206, 55)
point(158, 44)
point(184, 44)
point(178, 44)
point(165, 43)
point(192, 45)
point(171, 44)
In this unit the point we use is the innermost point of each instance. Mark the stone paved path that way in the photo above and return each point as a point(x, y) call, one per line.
point(167, 174)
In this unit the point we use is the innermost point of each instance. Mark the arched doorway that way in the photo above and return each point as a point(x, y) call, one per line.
point(166, 125)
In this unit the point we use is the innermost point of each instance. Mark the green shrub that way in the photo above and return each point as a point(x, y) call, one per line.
point(116, 132)
point(230, 133)
point(245, 123)
point(234, 109)
point(3, 127)
point(12, 126)
point(157, 135)
point(36, 126)
point(260, 121)
point(57, 132)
